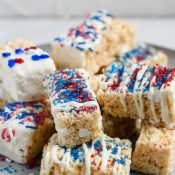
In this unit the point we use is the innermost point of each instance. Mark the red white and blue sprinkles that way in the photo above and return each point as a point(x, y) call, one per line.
point(28, 115)
point(17, 56)
point(87, 34)
point(140, 53)
point(12, 168)
point(69, 90)
point(100, 155)
point(159, 77)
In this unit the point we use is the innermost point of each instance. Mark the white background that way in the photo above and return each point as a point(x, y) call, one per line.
point(43, 20)
point(77, 8)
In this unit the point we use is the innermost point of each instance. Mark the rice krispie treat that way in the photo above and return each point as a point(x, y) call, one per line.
point(22, 72)
point(101, 156)
point(16, 44)
point(74, 106)
point(8, 46)
point(155, 151)
point(93, 43)
point(139, 91)
point(144, 54)
point(120, 127)
point(24, 129)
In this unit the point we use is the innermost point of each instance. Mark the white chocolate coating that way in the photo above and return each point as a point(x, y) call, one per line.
point(19, 123)
point(22, 72)
point(69, 51)
point(105, 155)
point(69, 91)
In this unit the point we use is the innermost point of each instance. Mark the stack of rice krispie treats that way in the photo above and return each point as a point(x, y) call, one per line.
point(99, 41)
point(25, 119)
point(94, 43)
point(97, 86)
point(144, 92)
point(79, 146)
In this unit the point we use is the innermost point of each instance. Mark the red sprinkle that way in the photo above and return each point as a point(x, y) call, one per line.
point(6, 135)
point(33, 47)
point(19, 60)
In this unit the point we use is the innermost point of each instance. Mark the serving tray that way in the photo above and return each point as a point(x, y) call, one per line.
point(7, 168)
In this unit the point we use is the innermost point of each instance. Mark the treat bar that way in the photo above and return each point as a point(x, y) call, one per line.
point(24, 129)
point(22, 72)
point(101, 156)
point(94, 43)
point(74, 106)
point(19, 43)
point(139, 91)
point(144, 54)
point(155, 150)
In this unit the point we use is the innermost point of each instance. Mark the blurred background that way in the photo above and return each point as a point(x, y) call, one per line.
point(43, 20)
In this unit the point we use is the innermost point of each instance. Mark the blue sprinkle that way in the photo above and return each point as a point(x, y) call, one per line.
point(90, 49)
point(97, 18)
point(79, 48)
point(19, 51)
point(143, 76)
point(81, 43)
point(9, 169)
point(21, 123)
point(7, 117)
point(44, 56)
point(35, 57)
point(59, 39)
point(6, 54)
point(37, 106)
point(98, 146)
point(77, 153)
point(146, 88)
point(31, 127)
point(114, 151)
point(74, 153)
point(11, 63)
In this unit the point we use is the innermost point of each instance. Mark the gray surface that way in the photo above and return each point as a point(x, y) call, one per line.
point(16, 169)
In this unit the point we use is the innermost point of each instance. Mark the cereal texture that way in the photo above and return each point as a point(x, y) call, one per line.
point(154, 152)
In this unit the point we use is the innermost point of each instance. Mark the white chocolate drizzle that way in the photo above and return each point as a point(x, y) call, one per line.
point(155, 84)
point(54, 154)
